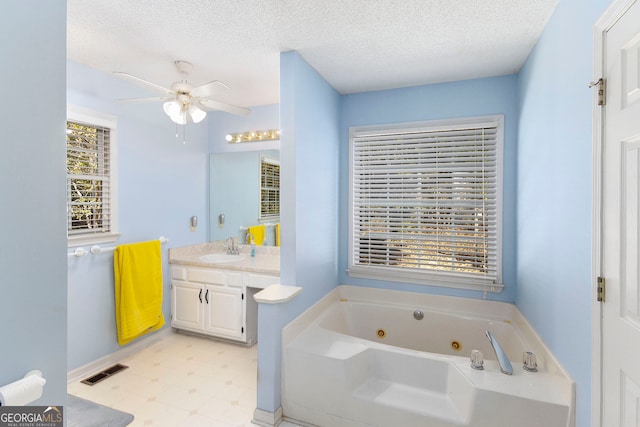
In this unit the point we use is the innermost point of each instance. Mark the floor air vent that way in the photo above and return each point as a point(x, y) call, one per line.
point(95, 379)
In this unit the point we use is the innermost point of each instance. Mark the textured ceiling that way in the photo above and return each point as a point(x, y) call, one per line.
point(356, 45)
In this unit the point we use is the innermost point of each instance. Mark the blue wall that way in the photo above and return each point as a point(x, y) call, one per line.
point(161, 184)
point(555, 287)
point(309, 116)
point(33, 307)
point(497, 95)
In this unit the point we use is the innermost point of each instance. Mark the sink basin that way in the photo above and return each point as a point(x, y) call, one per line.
point(221, 257)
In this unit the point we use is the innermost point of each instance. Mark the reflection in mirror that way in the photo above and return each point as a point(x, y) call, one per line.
point(269, 189)
point(243, 194)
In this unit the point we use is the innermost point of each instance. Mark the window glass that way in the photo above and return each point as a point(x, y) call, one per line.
point(91, 177)
point(426, 202)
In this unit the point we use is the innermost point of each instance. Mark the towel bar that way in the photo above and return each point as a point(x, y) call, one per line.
point(95, 249)
point(266, 224)
point(77, 253)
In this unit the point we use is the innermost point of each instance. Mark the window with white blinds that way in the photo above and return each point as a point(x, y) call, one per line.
point(269, 188)
point(426, 202)
point(90, 204)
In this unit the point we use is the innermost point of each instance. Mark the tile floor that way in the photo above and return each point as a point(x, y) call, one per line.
point(182, 380)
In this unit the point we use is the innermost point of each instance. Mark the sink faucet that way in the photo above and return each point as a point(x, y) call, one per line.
point(503, 360)
point(232, 249)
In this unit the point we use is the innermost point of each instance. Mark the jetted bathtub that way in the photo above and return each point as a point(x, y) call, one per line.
point(359, 357)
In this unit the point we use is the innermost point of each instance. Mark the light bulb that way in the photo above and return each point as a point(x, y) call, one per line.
point(174, 109)
point(197, 115)
point(171, 107)
point(180, 117)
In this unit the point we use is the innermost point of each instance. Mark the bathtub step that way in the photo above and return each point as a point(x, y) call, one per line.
point(410, 399)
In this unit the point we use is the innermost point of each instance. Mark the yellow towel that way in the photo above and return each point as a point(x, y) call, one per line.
point(278, 234)
point(258, 232)
point(138, 288)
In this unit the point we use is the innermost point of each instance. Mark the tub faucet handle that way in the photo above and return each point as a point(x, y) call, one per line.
point(529, 361)
point(477, 360)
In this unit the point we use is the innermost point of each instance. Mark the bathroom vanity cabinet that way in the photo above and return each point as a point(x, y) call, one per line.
point(217, 302)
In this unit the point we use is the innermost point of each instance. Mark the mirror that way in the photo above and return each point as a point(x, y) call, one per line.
point(235, 194)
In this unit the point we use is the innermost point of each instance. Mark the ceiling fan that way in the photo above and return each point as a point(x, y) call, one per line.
point(184, 102)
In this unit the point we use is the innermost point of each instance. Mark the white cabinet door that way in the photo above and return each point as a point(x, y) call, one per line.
point(224, 311)
point(187, 310)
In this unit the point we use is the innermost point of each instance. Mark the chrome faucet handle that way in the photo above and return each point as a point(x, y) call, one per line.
point(477, 360)
point(230, 247)
point(529, 361)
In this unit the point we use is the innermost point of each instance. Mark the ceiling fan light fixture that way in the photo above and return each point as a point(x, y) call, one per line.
point(175, 111)
point(196, 114)
point(180, 112)
point(182, 118)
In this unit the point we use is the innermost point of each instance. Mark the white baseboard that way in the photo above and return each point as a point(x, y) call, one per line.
point(108, 360)
point(267, 419)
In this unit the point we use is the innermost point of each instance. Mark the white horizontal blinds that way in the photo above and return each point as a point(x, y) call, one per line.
point(426, 199)
point(88, 179)
point(269, 188)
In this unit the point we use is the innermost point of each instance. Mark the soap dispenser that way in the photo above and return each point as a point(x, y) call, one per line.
point(252, 241)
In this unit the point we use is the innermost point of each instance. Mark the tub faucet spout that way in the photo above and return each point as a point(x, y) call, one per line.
point(503, 360)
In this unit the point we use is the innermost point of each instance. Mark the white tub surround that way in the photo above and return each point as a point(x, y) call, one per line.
point(359, 357)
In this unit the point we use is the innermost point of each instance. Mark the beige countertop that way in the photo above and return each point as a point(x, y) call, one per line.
point(266, 260)
point(277, 294)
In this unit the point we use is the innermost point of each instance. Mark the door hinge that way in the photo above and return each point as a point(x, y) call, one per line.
point(602, 90)
point(602, 285)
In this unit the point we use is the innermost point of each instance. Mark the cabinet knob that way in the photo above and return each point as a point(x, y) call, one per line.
point(206, 296)
point(200, 295)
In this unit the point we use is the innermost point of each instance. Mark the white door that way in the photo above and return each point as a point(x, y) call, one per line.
point(620, 391)
point(224, 311)
point(187, 310)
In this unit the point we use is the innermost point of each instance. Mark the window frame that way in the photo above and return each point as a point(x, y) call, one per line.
point(429, 277)
point(93, 118)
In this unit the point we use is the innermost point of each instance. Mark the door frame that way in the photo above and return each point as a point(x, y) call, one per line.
point(611, 15)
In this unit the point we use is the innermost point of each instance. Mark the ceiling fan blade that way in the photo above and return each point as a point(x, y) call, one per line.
point(149, 85)
point(150, 99)
point(210, 104)
point(206, 89)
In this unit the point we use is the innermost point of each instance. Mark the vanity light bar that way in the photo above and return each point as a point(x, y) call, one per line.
point(253, 136)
